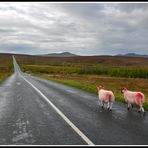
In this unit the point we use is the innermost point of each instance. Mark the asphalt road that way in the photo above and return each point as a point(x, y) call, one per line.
point(34, 111)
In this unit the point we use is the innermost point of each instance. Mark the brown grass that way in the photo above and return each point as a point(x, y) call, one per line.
point(113, 61)
point(6, 66)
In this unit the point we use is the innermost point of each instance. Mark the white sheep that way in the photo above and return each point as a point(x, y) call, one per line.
point(132, 97)
point(105, 96)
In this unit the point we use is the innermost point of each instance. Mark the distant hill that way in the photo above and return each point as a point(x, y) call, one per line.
point(63, 54)
point(133, 55)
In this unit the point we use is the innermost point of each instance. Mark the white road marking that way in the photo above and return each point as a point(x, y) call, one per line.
point(18, 83)
point(84, 137)
point(7, 85)
point(71, 91)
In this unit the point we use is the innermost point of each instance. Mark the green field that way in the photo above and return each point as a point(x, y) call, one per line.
point(88, 72)
point(6, 66)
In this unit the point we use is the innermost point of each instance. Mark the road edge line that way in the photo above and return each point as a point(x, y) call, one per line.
point(79, 132)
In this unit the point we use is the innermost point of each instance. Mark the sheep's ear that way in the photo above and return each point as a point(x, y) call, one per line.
point(102, 86)
point(125, 88)
point(122, 89)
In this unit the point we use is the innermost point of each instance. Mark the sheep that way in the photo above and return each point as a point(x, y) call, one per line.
point(132, 97)
point(105, 96)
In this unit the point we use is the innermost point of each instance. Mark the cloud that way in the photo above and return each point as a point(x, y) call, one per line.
point(129, 7)
point(81, 28)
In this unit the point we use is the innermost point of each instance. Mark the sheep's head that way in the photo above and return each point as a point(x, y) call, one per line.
point(123, 89)
point(100, 87)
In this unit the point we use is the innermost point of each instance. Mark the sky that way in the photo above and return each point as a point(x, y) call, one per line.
point(81, 28)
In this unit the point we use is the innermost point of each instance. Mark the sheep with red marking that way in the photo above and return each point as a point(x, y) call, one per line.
point(105, 96)
point(132, 97)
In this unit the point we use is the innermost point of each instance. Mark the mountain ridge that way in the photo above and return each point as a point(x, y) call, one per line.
point(133, 55)
point(62, 54)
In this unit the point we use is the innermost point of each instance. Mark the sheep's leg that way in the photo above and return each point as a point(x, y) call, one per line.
point(102, 104)
point(128, 105)
point(108, 105)
point(142, 109)
point(139, 110)
point(111, 103)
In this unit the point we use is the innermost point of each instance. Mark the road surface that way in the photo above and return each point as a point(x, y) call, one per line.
point(34, 111)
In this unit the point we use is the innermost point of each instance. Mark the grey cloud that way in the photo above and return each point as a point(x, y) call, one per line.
point(5, 30)
point(82, 9)
point(128, 7)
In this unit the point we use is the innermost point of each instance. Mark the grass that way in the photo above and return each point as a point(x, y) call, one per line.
point(129, 72)
point(6, 66)
point(110, 61)
point(108, 66)
point(50, 69)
